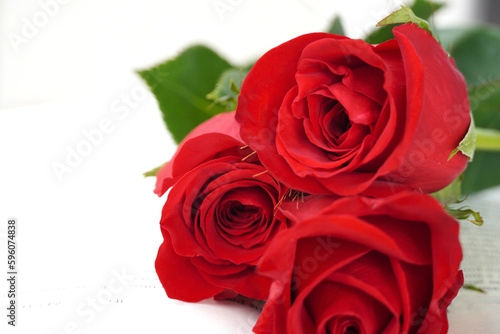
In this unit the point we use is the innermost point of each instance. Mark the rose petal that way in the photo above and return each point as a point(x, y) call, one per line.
point(415, 280)
point(360, 109)
point(246, 283)
point(186, 283)
point(301, 155)
point(336, 307)
point(367, 81)
point(198, 147)
point(398, 238)
point(373, 275)
point(391, 123)
point(434, 106)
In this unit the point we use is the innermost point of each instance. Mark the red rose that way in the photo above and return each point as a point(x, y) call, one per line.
point(328, 114)
point(219, 215)
point(363, 265)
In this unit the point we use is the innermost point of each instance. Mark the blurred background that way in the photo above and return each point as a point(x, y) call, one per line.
point(53, 50)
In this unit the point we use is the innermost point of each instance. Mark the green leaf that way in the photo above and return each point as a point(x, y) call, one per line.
point(227, 89)
point(405, 15)
point(476, 53)
point(468, 144)
point(450, 36)
point(423, 9)
point(473, 288)
point(426, 9)
point(181, 85)
point(482, 173)
point(465, 213)
point(153, 171)
point(336, 27)
point(450, 194)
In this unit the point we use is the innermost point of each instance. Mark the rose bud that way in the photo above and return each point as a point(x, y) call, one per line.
point(328, 114)
point(219, 216)
point(362, 265)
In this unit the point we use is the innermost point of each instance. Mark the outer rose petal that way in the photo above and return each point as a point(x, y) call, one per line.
point(437, 113)
point(221, 128)
point(186, 283)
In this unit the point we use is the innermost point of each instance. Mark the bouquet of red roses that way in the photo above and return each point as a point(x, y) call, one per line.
point(314, 194)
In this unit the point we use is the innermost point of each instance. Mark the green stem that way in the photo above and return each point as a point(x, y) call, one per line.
point(487, 140)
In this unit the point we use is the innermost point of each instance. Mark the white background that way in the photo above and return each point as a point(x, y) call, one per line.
point(68, 76)
point(88, 46)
